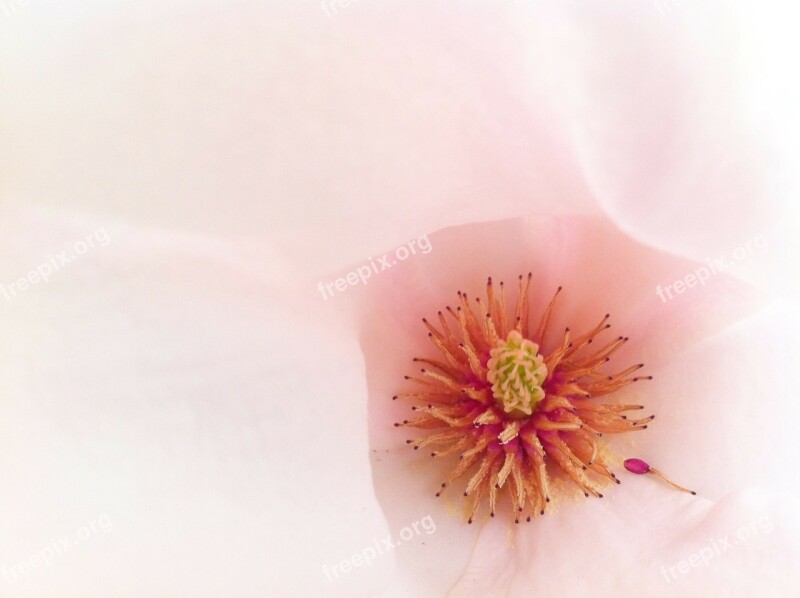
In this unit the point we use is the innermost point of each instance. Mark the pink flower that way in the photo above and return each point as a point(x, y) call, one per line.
point(640, 533)
point(190, 381)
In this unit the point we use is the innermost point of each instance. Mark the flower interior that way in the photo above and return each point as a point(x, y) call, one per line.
point(509, 410)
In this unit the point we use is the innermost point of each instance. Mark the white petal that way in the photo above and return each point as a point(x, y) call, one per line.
point(219, 423)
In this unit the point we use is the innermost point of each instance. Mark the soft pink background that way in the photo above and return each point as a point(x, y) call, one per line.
point(189, 381)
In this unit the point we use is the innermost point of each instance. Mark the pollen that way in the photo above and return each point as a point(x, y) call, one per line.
point(514, 415)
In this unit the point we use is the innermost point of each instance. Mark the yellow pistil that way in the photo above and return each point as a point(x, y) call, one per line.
point(516, 372)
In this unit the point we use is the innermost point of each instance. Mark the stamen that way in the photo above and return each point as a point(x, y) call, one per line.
point(521, 312)
point(542, 329)
point(639, 467)
point(511, 413)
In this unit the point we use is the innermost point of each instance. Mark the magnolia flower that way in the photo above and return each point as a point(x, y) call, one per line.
point(185, 412)
point(643, 533)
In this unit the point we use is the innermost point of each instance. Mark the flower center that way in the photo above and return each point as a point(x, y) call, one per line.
point(516, 372)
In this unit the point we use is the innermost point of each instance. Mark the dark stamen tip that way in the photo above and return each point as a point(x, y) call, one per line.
point(541, 512)
point(586, 494)
point(599, 496)
point(694, 493)
point(547, 499)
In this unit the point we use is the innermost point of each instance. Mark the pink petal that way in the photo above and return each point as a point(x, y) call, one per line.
point(601, 270)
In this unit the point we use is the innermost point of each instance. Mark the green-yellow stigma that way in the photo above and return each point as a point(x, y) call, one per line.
point(517, 372)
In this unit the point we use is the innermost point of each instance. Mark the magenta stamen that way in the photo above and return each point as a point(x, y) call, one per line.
point(636, 466)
